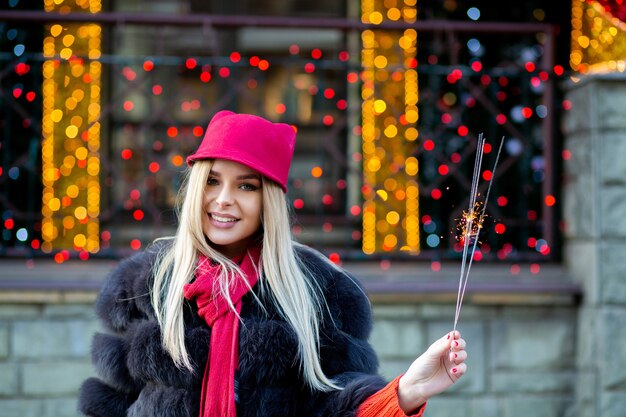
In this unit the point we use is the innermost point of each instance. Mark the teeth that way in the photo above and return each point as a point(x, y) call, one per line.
point(223, 219)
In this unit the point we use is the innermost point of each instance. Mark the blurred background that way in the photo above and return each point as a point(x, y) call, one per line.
point(101, 101)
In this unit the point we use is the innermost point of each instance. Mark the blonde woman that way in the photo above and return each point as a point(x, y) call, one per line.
point(231, 317)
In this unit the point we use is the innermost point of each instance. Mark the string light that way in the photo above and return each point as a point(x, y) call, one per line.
point(390, 207)
point(71, 131)
point(598, 37)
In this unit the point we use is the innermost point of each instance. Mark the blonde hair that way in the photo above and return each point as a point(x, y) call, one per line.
point(294, 289)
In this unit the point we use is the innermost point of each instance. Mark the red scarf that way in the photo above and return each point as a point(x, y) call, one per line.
point(218, 384)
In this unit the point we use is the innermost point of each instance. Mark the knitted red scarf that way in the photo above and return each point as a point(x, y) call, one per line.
point(218, 384)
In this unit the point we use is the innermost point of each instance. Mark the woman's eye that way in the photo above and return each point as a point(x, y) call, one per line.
point(212, 181)
point(248, 187)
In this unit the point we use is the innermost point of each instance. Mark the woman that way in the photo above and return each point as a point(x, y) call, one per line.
point(231, 317)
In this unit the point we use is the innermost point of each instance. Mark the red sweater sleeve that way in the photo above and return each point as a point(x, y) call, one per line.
point(384, 403)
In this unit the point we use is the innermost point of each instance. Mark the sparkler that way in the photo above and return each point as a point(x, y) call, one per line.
point(472, 221)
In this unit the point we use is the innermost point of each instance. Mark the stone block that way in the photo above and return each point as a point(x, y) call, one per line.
point(581, 262)
point(611, 103)
point(395, 311)
point(19, 311)
point(579, 163)
point(611, 157)
point(578, 209)
point(54, 378)
point(577, 118)
point(49, 339)
point(446, 405)
point(391, 368)
point(21, 408)
point(4, 340)
point(538, 405)
point(586, 393)
point(61, 407)
point(438, 311)
point(613, 284)
point(587, 344)
point(8, 379)
point(534, 382)
point(397, 338)
point(58, 311)
point(612, 404)
point(612, 358)
point(541, 344)
point(612, 211)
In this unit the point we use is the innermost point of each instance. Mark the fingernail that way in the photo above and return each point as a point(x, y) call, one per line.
point(456, 343)
point(455, 356)
point(454, 370)
point(448, 335)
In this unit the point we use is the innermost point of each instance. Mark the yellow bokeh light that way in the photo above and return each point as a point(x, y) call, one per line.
point(80, 240)
point(393, 218)
point(80, 213)
point(71, 131)
point(380, 106)
point(376, 18)
point(55, 30)
point(54, 204)
point(390, 241)
point(56, 115)
point(72, 191)
point(382, 194)
point(81, 153)
point(411, 166)
point(380, 61)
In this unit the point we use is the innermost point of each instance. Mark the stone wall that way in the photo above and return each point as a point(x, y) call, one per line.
point(521, 362)
point(595, 237)
point(44, 357)
point(521, 358)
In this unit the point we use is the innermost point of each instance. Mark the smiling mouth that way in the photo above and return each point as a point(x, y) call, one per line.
point(223, 219)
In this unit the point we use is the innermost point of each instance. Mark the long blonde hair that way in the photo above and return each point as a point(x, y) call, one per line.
point(293, 287)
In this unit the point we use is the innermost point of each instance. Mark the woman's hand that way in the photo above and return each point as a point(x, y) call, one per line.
point(433, 372)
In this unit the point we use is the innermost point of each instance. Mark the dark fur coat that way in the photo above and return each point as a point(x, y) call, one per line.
point(136, 377)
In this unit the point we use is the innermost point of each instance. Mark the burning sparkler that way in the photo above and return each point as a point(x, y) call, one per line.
point(471, 222)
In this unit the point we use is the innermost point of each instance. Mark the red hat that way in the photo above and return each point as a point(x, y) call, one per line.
point(250, 140)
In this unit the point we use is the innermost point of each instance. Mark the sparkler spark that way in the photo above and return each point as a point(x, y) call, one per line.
point(471, 222)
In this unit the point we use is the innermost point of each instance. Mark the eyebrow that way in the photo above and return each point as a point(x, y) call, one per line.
point(251, 176)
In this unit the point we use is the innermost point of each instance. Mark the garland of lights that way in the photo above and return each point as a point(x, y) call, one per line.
point(71, 132)
point(389, 113)
point(598, 37)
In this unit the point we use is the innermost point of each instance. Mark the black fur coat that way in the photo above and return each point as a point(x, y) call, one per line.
point(137, 378)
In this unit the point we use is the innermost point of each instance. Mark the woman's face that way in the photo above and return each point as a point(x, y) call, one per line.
point(232, 204)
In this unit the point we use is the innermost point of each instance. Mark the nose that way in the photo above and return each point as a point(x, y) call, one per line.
point(224, 197)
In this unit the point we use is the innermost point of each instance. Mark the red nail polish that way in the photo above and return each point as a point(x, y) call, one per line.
point(455, 356)
point(454, 370)
point(456, 343)
point(448, 336)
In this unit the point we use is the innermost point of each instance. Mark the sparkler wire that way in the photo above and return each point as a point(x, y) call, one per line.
point(469, 222)
point(473, 195)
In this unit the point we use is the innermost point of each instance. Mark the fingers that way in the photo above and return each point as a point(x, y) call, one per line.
point(458, 370)
point(457, 345)
point(457, 357)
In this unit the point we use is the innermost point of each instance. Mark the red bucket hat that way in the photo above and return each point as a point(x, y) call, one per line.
point(250, 140)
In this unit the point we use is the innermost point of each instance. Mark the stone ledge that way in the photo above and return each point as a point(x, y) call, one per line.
point(78, 282)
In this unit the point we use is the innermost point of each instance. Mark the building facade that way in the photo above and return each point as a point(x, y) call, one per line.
point(100, 106)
